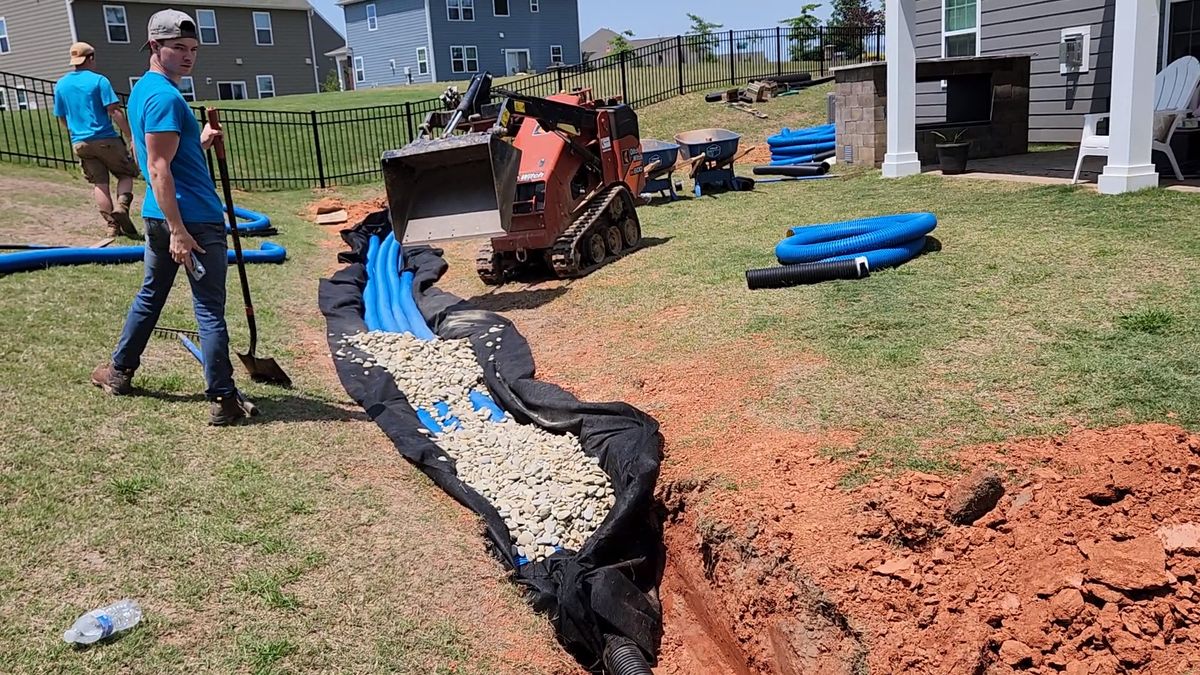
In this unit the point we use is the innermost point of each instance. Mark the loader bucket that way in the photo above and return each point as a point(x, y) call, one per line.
point(451, 188)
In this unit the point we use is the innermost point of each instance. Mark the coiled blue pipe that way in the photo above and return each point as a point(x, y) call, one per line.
point(255, 221)
point(25, 261)
point(787, 137)
point(801, 146)
point(883, 240)
point(391, 277)
point(804, 148)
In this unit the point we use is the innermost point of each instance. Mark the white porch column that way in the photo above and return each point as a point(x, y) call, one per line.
point(1131, 125)
point(901, 158)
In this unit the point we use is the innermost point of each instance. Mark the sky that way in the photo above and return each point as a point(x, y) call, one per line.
point(649, 18)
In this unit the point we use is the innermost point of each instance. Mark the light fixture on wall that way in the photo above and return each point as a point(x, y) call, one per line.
point(501, 35)
point(238, 60)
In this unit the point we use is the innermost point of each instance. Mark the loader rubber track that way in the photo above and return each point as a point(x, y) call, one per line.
point(488, 266)
point(567, 255)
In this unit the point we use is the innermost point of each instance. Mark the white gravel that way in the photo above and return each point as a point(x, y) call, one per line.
point(548, 491)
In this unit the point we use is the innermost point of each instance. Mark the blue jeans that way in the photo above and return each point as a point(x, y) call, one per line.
point(208, 295)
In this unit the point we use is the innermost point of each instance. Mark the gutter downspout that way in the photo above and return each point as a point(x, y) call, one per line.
point(71, 20)
point(312, 49)
point(433, 77)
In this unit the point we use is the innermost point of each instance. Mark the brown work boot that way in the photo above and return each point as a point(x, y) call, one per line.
point(114, 228)
point(125, 225)
point(113, 380)
point(229, 410)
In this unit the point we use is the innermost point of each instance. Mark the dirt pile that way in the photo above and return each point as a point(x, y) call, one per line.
point(1086, 564)
point(355, 211)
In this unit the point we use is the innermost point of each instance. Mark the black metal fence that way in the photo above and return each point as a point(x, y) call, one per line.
point(271, 149)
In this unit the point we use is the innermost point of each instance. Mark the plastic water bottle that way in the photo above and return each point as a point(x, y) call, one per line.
point(101, 623)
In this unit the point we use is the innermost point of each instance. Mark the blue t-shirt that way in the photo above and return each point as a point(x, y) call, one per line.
point(82, 97)
point(155, 105)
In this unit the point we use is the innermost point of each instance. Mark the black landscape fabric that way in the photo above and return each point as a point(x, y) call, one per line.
point(609, 587)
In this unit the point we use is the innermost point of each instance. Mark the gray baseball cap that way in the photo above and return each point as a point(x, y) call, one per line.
point(169, 24)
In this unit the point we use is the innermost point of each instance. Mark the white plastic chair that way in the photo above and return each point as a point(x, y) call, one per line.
point(1174, 95)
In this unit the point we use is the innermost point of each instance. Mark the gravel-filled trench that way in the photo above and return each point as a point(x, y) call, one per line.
point(549, 492)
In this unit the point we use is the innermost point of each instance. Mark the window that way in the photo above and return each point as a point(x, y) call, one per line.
point(262, 29)
point(360, 70)
point(187, 87)
point(500, 7)
point(372, 17)
point(206, 23)
point(133, 82)
point(117, 24)
point(231, 91)
point(464, 59)
point(1182, 28)
point(266, 86)
point(23, 100)
point(533, 6)
point(460, 10)
point(4, 45)
point(422, 60)
point(960, 28)
point(556, 54)
point(3, 99)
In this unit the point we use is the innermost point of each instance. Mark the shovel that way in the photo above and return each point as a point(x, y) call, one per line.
point(260, 369)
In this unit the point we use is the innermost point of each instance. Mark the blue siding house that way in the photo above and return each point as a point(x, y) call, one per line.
point(392, 42)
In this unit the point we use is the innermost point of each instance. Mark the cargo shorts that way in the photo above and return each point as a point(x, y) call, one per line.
point(104, 156)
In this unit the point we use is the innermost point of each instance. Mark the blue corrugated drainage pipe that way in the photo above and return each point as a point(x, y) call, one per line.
point(42, 258)
point(853, 237)
point(255, 221)
point(370, 311)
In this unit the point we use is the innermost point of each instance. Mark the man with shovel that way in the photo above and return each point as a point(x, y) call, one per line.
point(185, 223)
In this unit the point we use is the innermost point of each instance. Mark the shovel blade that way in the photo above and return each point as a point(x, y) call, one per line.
point(265, 370)
point(451, 188)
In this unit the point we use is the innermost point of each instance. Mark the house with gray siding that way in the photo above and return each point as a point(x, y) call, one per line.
point(249, 48)
point(392, 42)
point(1059, 94)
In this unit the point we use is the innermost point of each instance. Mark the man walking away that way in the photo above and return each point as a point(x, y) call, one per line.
point(86, 105)
point(185, 223)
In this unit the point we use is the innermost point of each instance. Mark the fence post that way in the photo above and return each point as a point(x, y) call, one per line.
point(316, 128)
point(408, 120)
point(624, 86)
point(821, 47)
point(778, 51)
point(679, 60)
point(558, 76)
point(732, 62)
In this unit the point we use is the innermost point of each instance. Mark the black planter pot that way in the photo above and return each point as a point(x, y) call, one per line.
point(953, 157)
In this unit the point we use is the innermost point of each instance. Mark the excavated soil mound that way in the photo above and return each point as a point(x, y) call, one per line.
point(1085, 565)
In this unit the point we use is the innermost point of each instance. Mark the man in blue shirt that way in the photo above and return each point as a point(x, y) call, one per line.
point(86, 106)
point(185, 223)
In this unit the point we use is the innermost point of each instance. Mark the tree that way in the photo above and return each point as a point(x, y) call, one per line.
point(619, 43)
point(802, 33)
point(851, 22)
point(701, 40)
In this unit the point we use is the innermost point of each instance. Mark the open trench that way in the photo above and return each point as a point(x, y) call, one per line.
point(729, 608)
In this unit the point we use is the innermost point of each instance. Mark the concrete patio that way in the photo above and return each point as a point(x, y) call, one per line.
point(1053, 167)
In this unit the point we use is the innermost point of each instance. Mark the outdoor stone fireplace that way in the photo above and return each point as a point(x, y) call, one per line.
point(986, 96)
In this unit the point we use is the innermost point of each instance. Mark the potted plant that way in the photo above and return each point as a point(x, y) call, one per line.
point(952, 152)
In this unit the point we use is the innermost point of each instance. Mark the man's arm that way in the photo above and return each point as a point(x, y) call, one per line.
point(118, 117)
point(160, 150)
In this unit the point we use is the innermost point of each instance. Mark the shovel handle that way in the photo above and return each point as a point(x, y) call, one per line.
point(214, 121)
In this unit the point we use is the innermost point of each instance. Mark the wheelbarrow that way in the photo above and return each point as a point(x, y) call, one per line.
point(712, 152)
point(661, 178)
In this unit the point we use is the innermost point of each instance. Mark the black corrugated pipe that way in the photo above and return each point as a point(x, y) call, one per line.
point(794, 170)
point(807, 273)
point(623, 657)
